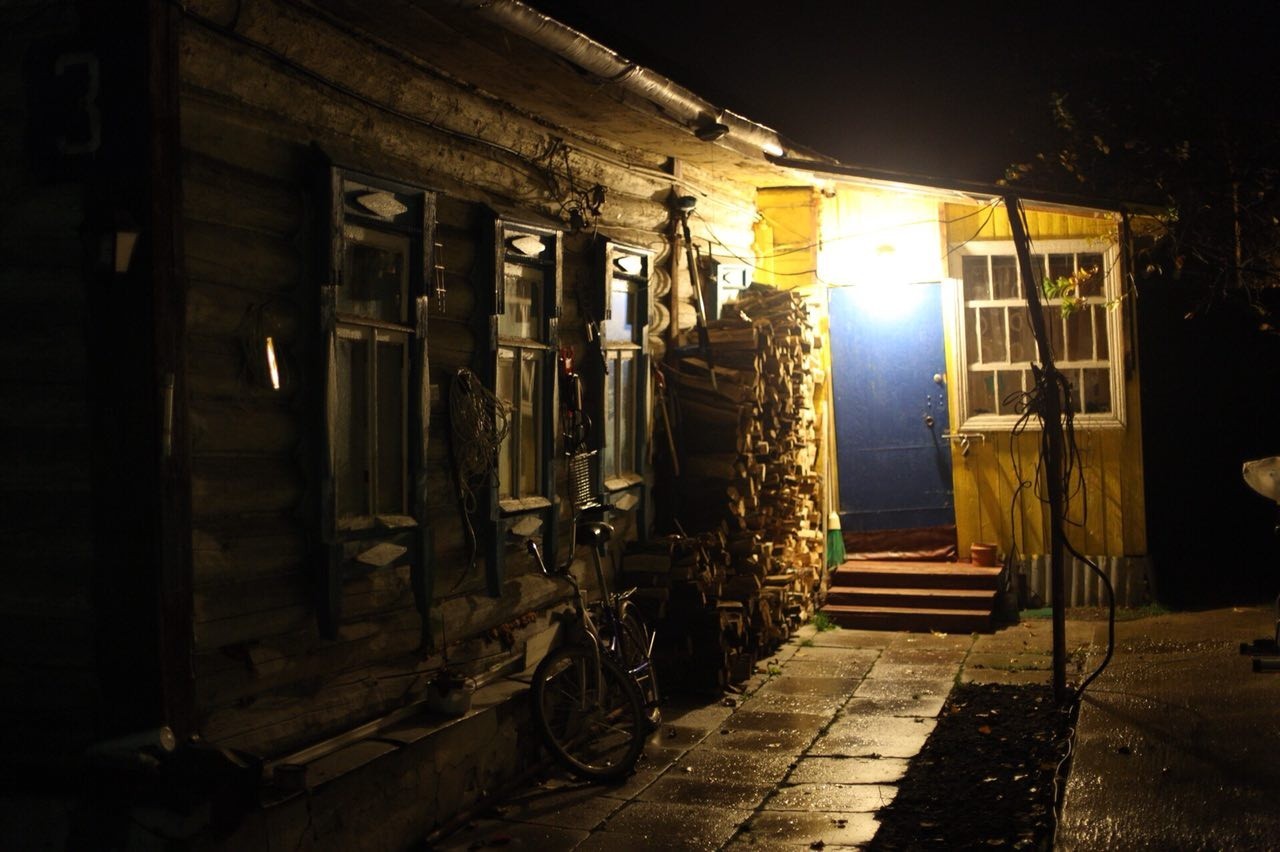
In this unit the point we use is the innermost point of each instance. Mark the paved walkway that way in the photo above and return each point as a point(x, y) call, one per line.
point(1178, 742)
point(810, 751)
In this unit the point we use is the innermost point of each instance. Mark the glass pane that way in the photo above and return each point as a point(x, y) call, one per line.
point(392, 414)
point(530, 453)
point(1097, 391)
point(1004, 277)
point(621, 325)
point(375, 281)
point(1061, 266)
point(1073, 390)
point(506, 390)
point(351, 425)
point(626, 414)
point(608, 434)
point(522, 305)
point(1008, 390)
point(977, 283)
point(982, 392)
point(1080, 335)
point(1022, 343)
point(971, 336)
point(991, 335)
point(1100, 332)
point(1091, 274)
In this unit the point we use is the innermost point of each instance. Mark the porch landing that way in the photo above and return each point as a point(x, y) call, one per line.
point(916, 596)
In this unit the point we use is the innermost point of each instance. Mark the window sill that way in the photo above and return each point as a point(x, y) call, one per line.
point(621, 483)
point(516, 505)
point(1007, 423)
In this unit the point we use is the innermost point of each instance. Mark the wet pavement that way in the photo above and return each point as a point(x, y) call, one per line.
point(1178, 744)
point(1178, 741)
point(807, 754)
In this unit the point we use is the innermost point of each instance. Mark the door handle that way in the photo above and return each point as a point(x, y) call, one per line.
point(928, 420)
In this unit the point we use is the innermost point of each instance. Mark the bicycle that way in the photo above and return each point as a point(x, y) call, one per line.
point(595, 698)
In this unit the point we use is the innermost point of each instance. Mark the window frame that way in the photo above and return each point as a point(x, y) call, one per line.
point(610, 352)
point(1111, 308)
point(360, 544)
point(524, 514)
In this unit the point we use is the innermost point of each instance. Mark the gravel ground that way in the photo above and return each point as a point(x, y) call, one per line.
point(988, 776)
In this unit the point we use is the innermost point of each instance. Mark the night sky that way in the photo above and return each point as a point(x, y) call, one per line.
point(954, 90)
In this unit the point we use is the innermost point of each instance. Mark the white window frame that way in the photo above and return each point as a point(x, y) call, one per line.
point(1114, 328)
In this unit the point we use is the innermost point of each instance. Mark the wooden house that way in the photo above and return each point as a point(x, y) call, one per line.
point(268, 265)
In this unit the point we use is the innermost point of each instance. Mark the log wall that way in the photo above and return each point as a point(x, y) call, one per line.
point(262, 82)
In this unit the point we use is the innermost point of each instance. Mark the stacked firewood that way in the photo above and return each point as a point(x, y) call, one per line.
point(748, 493)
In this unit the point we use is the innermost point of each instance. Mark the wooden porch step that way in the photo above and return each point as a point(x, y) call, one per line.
point(926, 598)
point(916, 575)
point(912, 619)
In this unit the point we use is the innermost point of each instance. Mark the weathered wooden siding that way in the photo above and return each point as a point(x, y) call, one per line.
point(254, 100)
point(51, 694)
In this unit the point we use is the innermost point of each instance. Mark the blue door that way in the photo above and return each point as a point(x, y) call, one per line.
point(888, 362)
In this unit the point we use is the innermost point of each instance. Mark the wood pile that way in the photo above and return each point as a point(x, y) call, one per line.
point(748, 492)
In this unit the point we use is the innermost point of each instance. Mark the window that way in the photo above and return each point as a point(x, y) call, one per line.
point(372, 310)
point(526, 310)
point(625, 282)
point(1080, 284)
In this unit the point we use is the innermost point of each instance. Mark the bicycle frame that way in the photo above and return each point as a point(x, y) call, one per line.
point(610, 604)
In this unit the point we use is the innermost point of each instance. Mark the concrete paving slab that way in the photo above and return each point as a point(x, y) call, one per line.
point(752, 719)
point(911, 672)
point(487, 833)
point(825, 798)
point(616, 841)
point(862, 736)
point(801, 685)
point(790, 743)
point(1013, 677)
point(915, 704)
point(924, 655)
point(719, 793)
point(575, 805)
point(782, 702)
point(1178, 741)
point(847, 770)
point(886, 688)
point(842, 638)
point(719, 764)
point(704, 827)
point(795, 830)
point(852, 669)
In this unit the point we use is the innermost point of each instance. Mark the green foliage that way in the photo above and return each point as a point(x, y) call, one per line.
point(823, 622)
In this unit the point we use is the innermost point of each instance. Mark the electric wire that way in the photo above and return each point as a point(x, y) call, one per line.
point(1030, 404)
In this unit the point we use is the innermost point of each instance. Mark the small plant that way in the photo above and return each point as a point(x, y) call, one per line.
point(822, 622)
point(806, 643)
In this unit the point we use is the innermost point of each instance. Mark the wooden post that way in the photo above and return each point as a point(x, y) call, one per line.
point(1050, 410)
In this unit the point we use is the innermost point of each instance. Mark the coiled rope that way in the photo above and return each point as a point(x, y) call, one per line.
point(480, 422)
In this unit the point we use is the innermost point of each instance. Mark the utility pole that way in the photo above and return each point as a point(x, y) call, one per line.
point(1051, 445)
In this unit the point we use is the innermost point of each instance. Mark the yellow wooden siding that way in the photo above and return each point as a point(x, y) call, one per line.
point(1107, 516)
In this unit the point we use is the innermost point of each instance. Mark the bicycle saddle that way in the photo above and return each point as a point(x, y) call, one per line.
point(598, 530)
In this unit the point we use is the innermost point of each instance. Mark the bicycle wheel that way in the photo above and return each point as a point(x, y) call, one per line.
point(633, 648)
point(593, 723)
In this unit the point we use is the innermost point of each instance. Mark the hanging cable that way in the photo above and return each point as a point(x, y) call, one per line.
point(479, 422)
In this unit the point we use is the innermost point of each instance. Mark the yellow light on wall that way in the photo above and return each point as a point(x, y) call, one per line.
point(875, 238)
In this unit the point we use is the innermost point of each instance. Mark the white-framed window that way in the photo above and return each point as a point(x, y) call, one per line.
point(525, 315)
point(623, 329)
point(1080, 287)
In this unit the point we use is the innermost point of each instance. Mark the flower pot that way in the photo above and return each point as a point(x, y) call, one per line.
point(982, 554)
